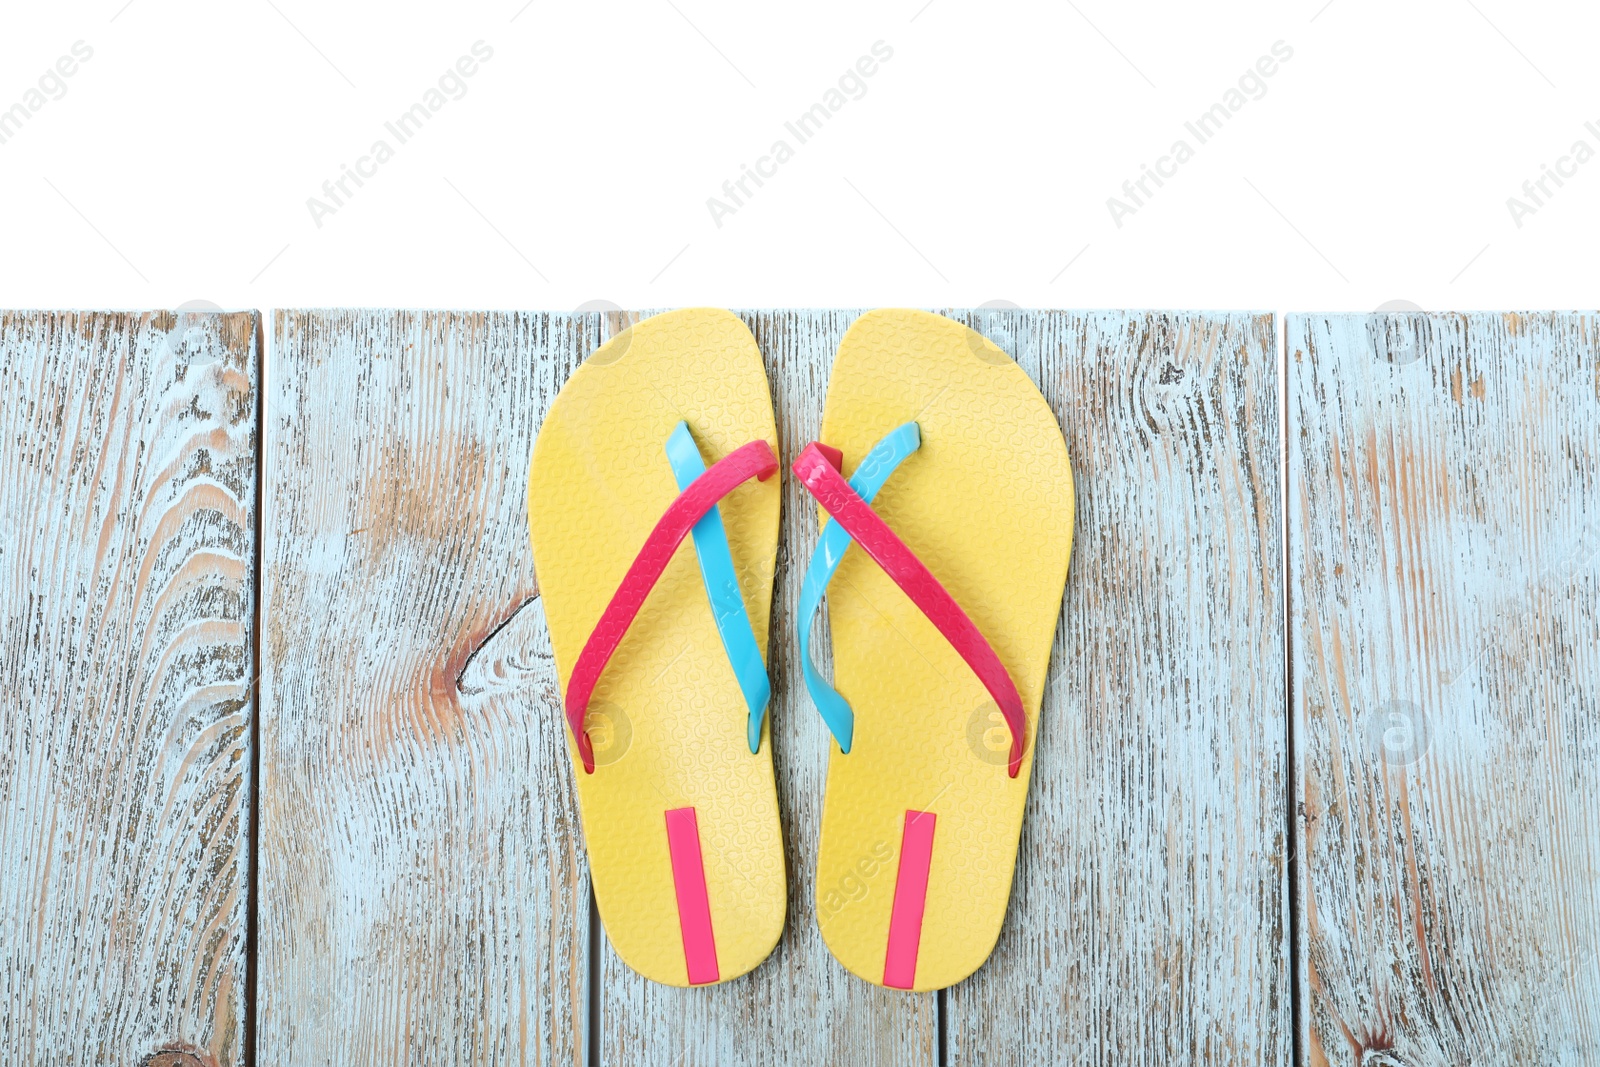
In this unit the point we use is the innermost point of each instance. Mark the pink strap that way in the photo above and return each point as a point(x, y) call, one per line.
point(818, 470)
point(910, 900)
point(694, 903)
point(731, 471)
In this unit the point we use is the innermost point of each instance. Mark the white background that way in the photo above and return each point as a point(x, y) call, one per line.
point(976, 167)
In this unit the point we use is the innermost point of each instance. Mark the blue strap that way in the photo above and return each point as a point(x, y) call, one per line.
point(869, 477)
point(722, 588)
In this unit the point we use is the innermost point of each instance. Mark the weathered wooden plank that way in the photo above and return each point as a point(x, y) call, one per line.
point(800, 1006)
point(1148, 917)
point(423, 894)
point(1444, 510)
point(127, 508)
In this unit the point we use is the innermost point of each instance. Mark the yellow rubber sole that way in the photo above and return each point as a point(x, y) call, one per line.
point(987, 503)
point(668, 720)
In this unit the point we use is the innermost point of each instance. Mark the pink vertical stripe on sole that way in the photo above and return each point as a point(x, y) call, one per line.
point(910, 898)
point(694, 907)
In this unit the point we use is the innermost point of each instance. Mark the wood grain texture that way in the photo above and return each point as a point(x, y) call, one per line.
point(127, 541)
point(1444, 522)
point(1148, 919)
point(423, 892)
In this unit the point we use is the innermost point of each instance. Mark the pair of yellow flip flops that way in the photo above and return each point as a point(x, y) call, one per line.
point(947, 552)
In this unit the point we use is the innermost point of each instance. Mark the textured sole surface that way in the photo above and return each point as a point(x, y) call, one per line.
point(667, 719)
point(987, 503)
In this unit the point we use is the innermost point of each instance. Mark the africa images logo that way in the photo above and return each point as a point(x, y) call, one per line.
point(451, 85)
point(51, 85)
point(1538, 192)
point(851, 85)
point(1251, 85)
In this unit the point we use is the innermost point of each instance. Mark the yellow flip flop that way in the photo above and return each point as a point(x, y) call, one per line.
point(947, 552)
point(660, 644)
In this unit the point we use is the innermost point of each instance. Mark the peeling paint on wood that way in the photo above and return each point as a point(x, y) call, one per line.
point(423, 895)
point(1444, 523)
point(127, 541)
